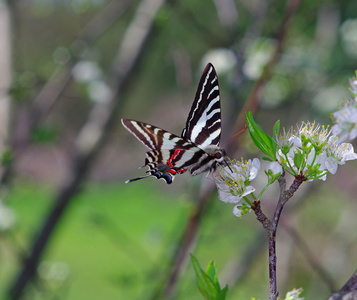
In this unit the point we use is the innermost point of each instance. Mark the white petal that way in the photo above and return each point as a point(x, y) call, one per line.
point(249, 190)
point(275, 167)
point(227, 197)
point(311, 156)
point(254, 169)
point(347, 152)
point(237, 212)
point(331, 164)
point(296, 141)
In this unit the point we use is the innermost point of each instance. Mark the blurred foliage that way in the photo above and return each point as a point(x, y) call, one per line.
point(44, 134)
point(115, 239)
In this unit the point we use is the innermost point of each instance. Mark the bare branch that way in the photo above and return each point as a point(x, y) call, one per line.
point(96, 127)
point(50, 93)
point(348, 291)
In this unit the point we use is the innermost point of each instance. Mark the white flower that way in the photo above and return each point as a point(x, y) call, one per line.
point(312, 153)
point(346, 117)
point(338, 154)
point(346, 152)
point(345, 122)
point(233, 181)
point(234, 194)
point(285, 140)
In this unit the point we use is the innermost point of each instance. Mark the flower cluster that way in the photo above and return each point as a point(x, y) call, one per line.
point(312, 151)
point(345, 118)
point(233, 183)
point(308, 152)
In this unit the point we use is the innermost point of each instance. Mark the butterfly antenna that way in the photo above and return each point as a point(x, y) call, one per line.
point(244, 129)
point(138, 178)
point(228, 166)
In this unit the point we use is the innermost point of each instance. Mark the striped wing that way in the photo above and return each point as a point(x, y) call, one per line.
point(154, 137)
point(179, 161)
point(203, 125)
point(169, 155)
point(197, 149)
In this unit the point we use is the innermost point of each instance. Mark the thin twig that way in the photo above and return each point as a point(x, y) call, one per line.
point(272, 226)
point(42, 104)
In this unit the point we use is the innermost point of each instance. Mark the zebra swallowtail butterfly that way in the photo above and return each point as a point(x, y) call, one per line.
point(197, 150)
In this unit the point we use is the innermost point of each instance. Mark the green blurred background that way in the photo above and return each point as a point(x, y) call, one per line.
point(289, 60)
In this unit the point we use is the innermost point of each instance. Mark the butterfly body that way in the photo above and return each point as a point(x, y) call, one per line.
point(197, 150)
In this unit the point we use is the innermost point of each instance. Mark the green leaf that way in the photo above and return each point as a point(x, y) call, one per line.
point(212, 273)
point(263, 141)
point(276, 130)
point(223, 293)
point(205, 284)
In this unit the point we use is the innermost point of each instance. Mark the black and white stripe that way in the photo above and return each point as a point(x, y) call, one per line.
point(197, 149)
point(203, 126)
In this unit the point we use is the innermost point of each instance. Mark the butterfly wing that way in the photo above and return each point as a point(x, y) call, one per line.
point(169, 155)
point(203, 125)
point(153, 137)
point(197, 148)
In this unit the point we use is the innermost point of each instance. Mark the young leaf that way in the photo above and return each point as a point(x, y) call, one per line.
point(223, 293)
point(205, 284)
point(212, 273)
point(263, 141)
point(276, 129)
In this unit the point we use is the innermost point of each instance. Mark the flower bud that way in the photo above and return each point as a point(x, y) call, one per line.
point(273, 171)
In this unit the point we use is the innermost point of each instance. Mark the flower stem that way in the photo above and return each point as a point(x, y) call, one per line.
point(263, 190)
point(248, 201)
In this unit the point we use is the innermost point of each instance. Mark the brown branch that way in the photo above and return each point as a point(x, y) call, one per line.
point(261, 217)
point(272, 226)
point(348, 291)
point(256, 247)
point(92, 135)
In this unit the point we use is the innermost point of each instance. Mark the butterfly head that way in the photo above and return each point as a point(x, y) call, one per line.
point(221, 157)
